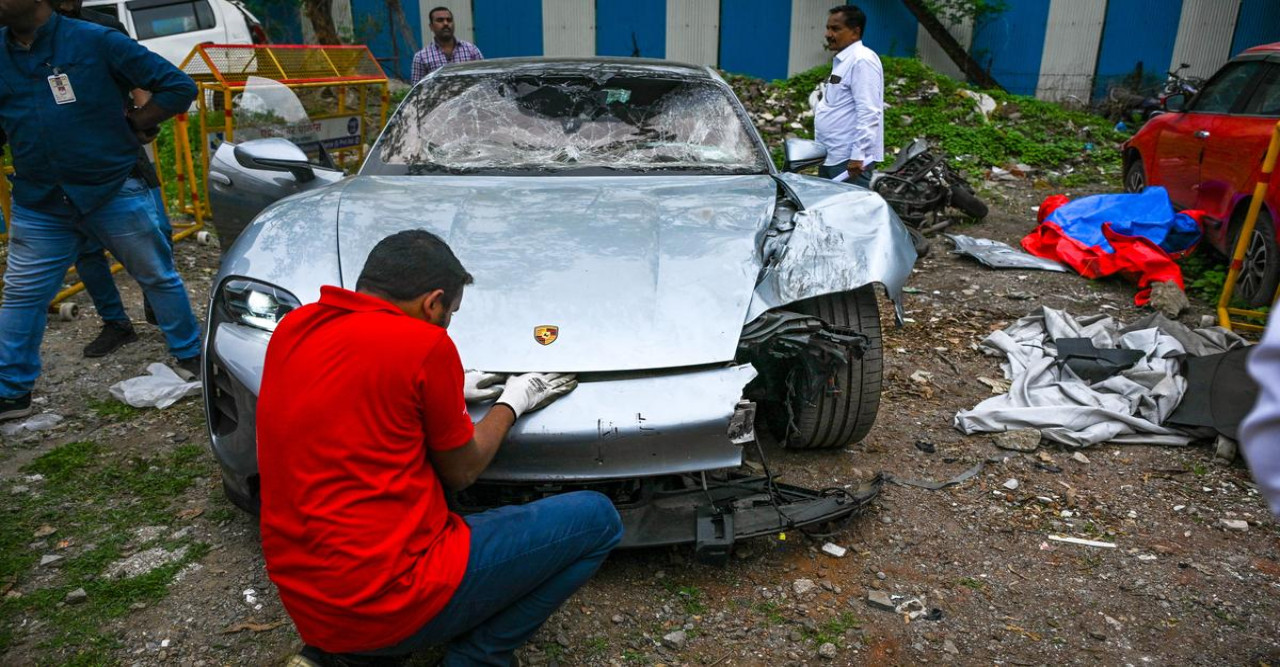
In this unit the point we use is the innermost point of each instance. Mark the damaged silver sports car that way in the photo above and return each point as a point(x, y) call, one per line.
point(624, 222)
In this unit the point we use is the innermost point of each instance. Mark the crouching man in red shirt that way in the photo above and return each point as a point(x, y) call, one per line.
point(361, 419)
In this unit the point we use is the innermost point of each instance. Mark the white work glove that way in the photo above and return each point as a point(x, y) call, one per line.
point(481, 386)
point(531, 391)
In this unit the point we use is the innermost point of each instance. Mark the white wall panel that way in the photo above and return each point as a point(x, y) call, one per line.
point(569, 27)
point(808, 29)
point(932, 55)
point(1204, 38)
point(1070, 54)
point(693, 31)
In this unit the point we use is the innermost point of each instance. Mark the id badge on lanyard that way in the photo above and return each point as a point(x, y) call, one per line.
point(60, 85)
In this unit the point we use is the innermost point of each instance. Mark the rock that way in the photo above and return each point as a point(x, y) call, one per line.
point(1230, 524)
point(802, 586)
point(827, 650)
point(618, 619)
point(675, 640)
point(880, 599)
point(1022, 440)
point(834, 550)
point(77, 596)
point(1011, 484)
point(881, 576)
point(950, 647)
point(1225, 449)
point(1168, 299)
point(1079, 457)
point(49, 559)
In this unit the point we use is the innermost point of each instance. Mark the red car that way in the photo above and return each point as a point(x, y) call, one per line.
point(1207, 151)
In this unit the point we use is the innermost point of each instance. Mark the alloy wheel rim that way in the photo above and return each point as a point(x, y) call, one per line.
point(1253, 267)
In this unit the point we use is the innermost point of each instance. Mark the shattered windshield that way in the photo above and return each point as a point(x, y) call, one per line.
point(551, 123)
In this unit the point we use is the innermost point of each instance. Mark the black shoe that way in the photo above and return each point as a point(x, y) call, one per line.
point(189, 369)
point(12, 408)
point(113, 335)
point(148, 313)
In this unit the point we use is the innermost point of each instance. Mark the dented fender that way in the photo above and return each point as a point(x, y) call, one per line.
point(842, 238)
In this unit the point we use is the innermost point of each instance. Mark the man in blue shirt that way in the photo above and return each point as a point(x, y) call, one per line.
point(64, 88)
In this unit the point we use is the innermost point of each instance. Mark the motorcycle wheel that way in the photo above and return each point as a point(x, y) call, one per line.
point(968, 203)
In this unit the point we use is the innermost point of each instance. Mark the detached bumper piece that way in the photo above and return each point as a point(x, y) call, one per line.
point(736, 509)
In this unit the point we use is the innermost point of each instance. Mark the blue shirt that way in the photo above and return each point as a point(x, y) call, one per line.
point(83, 150)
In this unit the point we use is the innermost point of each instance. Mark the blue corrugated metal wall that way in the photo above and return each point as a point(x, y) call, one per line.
point(753, 37)
point(891, 28)
point(1123, 46)
point(1259, 23)
point(1010, 45)
point(623, 28)
point(373, 26)
point(507, 28)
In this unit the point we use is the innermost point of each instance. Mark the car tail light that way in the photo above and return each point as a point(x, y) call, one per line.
point(257, 33)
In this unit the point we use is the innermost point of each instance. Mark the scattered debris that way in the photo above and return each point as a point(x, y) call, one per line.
point(49, 559)
point(1225, 449)
point(144, 562)
point(41, 422)
point(1082, 542)
point(880, 599)
point(827, 650)
point(252, 627)
point(1000, 255)
point(949, 646)
point(76, 597)
point(1168, 299)
point(803, 586)
point(1079, 457)
point(1021, 440)
point(912, 609)
point(674, 640)
point(998, 385)
point(921, 377)
point(1011, 484)
point(45, 530)
point(160, 389)
point(834, 550)
point(926, 446)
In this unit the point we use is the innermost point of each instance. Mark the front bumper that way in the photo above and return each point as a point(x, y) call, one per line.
point(610, 427)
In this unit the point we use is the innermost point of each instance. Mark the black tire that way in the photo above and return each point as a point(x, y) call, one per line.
point(249, 504)
point(1260, 271)
point(843, 416)
point(1135, 175)
point(963, 198)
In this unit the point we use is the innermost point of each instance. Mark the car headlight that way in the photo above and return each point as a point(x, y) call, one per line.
point(256, 304)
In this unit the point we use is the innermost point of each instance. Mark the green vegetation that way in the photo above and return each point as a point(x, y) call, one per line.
point(833, 631)
point(923, 103)
point(970, 582)
point(1204, 273)
point(113, 409)
point(85, 508)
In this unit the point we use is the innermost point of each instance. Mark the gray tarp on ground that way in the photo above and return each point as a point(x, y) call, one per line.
point(1128, 407)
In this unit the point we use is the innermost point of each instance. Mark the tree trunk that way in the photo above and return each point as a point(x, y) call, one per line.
point(957, 53)
point(320, 13)
point(399, 22)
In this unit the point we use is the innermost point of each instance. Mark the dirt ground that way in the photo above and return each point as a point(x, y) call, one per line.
point(1177, 589)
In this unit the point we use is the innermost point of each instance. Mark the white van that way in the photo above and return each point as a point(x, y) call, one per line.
point(172, 28)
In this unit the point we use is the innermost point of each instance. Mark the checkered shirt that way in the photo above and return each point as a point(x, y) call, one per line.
point(432, 58)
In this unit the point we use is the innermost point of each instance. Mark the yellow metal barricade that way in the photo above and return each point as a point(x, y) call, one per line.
point(223, 70)
point(1225, 311)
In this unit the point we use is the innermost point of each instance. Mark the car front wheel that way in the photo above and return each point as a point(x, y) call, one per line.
point(844, 409)
point(1135, 175)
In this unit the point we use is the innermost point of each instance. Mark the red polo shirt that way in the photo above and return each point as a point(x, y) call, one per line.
point(355, 529)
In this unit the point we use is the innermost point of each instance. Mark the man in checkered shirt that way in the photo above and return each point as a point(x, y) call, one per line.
point(444, 49)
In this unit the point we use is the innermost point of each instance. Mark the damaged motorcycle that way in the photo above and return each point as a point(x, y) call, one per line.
point(920, 185)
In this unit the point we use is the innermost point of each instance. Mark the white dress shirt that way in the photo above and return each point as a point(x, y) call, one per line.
point(1260, 432)
point(849, 119)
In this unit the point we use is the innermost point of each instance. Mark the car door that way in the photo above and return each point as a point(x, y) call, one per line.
point(1238, 142)
point(172, 28)
point(1180, 147)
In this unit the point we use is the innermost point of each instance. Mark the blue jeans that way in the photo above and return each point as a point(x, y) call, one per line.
point(44, 244)
point(830, 171)
point(94, 270)
point(526, 560)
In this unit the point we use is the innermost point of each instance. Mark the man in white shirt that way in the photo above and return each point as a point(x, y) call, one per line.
point(849, 118)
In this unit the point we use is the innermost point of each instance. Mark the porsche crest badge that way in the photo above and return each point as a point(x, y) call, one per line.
point(546, 334)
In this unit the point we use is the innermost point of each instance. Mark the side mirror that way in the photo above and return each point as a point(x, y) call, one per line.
point(275, 155)
point(800, 154)
point(1175, 102)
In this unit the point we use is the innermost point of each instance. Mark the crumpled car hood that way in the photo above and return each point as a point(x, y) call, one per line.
point(635, 272)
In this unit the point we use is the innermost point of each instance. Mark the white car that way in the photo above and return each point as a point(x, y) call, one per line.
point(172, 28)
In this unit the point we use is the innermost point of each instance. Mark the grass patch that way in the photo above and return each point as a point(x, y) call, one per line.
point(770, 610)
point(975, 584)
point(691, 600)
point(94, 499)
point(113, 409)
point(833, 631)
point(1204, 273)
